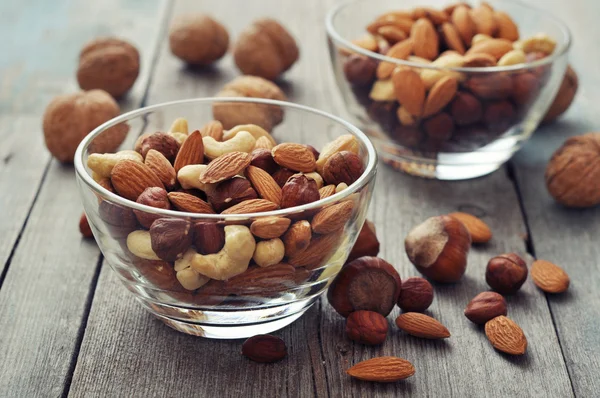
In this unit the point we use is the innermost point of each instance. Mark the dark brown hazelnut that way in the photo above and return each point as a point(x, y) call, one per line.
point(159, 273)
point(282, 175)
point(499, 115)
point(485, 306)
point(299, 190)
point(208, 237)
point(84, 227)
point(366, 327)
point(343, 166)
point(231, 192)
point(564, 97)
point(264, 348)
point(170, 238)
point(119, 220)
point(526, 87)
point(439, 127)
point(154, 197)
point(506, 273)
point(416, 295)
point(359, 69)
point(162, 143)
point(408, 136)
point(262, 158)
point(494, 86)
point(366, 244)
point(466, 109)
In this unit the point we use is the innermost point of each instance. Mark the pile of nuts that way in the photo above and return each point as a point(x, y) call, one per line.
point(433, 110)
point(237, 171)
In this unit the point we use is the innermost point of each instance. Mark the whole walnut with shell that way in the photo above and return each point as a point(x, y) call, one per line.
point(198, 39)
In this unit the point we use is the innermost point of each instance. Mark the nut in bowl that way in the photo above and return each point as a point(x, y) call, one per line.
point(213, 232)
point(446, 91)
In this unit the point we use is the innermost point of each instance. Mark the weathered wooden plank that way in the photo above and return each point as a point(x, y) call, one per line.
point(44, 297)
point(121, 340)
point(569, 237)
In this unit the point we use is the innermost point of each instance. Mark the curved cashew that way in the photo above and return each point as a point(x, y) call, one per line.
point(340, 187)
point(139, 243)
point(269, 252)
point(316, 177)
point(232, 260)
point(187, 277)
point(540, 42)
point(263, 142)
point(103, 163)
point(180, 125)
point(253, 129)
point(179, 137)
point(188, 176)
point(479, 37)
point(242, 142)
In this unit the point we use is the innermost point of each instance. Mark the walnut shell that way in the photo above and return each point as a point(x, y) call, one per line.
point(573, 173)
point(266, 116)
point(70, 117)
point(198, 39)
point(265, 49)
point(109, 64)
point(564, 97)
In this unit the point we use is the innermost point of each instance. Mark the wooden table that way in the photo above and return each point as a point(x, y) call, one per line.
point(68, 327)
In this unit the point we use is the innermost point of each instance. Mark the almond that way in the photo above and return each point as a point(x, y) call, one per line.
point(382, 369)
point(297, 238)
point(399, 50)
point(401, 20)
point(213, 129)
point(549, 277)
point(189, 203)
point(225, 167)
point(319, 250)
point(264, 184)
point(262, 280)
point(479, 60)
point(130, 178)
point(295, 157)
point(409, 90)
point(191, 151)
point(332, 218)
point(480, 232)
point(507, 29)
point(437, 17)
point(421, 325)
point(463, 23)
point(264, 348)
point(452, 38)
point(506, 336)
point(160, 165)
point(264, 142)
point(251, 206)
point(425, 39)
point(392, 34)
point(270, 227)
point(483, 18)
point(494, 47)
point(327, 191)
point(440, 95)
point(366, 42)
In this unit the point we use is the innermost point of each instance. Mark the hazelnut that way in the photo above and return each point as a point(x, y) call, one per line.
point(564, 97)
point(266, 116)
point(84, 227)
point(282, 175)
point(360, 70)
point(439, 127)
point(526, 87)
point(198, 39)
point(70, 117)
point(343, 166)
point(262, 158)
point(367, 283)
point(367, 327)
point(499, 115)
point(265, 49)
point(170, 238)
point(465, 109)
point(506, 273)
point(299, 190)
point(494, 86)
point(119, 220)
point(155, 197)
point(161, 142)
point(109, 64)
point(438, 248)
point(231, 192)
point(408, 136)
point(366, 244)
point(159, 273)
point(208, 237)
point(573, 174)
point(484, 307)
point(264, 348)
point(416, 295)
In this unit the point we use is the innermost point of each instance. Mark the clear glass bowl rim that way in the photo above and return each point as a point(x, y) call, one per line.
point(368, 174)
point(562, 49)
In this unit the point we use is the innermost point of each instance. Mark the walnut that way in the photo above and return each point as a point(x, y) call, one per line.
point(265, 49)
point(70, 117)
point(109, 64)
point(573, 173)
point(564, 97)
point(198, 39)
point(266, 116)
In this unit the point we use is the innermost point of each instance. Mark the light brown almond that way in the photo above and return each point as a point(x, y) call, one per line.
point(213, 129)
point(251, 206)
point(224, 167)
point(327, 191)
point(409, 90)
point(494, 47)
point(549, 277)
point(366, 42)
point(425, 39)
point(507, 28)
point(296, 157)
point(319, 250)
point(263, 142)
point(421, 325)
point(264, 184)
point(297, 238)
point(190, 152)
point(332, 218)
point(392, 34)
point(480, 60)
point(130, 178)
point(437, 17)
point(440, 95)
point(506, 336)
point(452, 38)
point(464, 24)
point(160, 165)
point(189, 203)
point(382, 369)
point(483, 18)
point(399, 50)
point(401, 20)
point(270, 227)
point(480, 232)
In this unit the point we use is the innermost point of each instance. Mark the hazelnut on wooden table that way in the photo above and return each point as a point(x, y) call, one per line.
point(198, 39)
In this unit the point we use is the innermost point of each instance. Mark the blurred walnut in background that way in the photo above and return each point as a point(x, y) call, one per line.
point(198, 39)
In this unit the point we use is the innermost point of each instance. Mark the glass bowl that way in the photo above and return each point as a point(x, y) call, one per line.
point(494, 111)
point(258, 300)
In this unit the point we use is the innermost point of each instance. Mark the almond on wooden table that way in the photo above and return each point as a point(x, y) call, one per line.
point(382, 369)
point(421, 325)
point(549, 277)
point(506, 336)
point(480, 232)
point(264, 348)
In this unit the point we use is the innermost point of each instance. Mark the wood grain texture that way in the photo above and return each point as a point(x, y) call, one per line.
point(564, 236)
point(43, 299)
point(126, 352)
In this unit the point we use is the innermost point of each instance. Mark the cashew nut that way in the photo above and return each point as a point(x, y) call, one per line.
point(180, 125)
point(512, 57)
point(269, 252)
point(383, 90)
point(139, 243)
point(263, 142)
point(187, 277)
point(188, 176)
point(540, 42)
point(316, 177)
point(234, 257)
point(432, 76)
point(340, 187)
point(103, 163)
point(253, 129)
point(242, 142)
point(479, 37)
point(179, 137)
